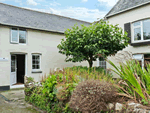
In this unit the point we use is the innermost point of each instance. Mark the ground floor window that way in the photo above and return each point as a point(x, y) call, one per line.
point(36, 62)
point(146, 60)
point(143, 59)
point(102, 62)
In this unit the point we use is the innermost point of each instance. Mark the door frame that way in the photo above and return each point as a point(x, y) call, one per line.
point(26, 59)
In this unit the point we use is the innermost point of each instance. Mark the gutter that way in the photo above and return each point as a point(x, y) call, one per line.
point(12, 25)
point(127, 9)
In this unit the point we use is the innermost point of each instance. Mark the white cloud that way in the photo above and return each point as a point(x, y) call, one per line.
point(109, 2)
point(2, 0)
point(31, 2)
point(55, 4)
point(19, 1)
point(80, 13)
point(84, 0)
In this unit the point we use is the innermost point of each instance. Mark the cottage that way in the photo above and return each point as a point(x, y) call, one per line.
point(28, 44)
point(134, 17)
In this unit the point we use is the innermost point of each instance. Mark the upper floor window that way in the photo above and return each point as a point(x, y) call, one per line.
point(141, 31)
point(18, 35)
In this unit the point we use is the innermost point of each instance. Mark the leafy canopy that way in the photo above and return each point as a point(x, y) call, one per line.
point(86, 42)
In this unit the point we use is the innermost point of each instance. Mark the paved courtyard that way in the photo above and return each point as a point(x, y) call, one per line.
point(12, 101)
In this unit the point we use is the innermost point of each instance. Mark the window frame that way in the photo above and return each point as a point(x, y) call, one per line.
point(101, 62)
point(36, 70)
point(18, 29)
point(142, 29)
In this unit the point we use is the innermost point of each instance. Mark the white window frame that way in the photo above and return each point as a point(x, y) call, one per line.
point(101, 62)
point(139, 26)
point(18, 37)
point(36, 70)
point(139, 57)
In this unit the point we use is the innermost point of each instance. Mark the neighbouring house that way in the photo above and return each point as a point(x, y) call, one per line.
point(134, 17)
point(28, 44)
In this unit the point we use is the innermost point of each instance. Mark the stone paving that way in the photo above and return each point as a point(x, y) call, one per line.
point(12, 101)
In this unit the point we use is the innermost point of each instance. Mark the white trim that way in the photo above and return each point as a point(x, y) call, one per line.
point(139, 58)
point(26, 65)
point(17, 42)
point(36, 54)
point(13, 73)
point(16, 86)
point(142, 39)
point(139, 26)
point(97, 62)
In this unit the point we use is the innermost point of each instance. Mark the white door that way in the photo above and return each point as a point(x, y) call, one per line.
point(13, 77)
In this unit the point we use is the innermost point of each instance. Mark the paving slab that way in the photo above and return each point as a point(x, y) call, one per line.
point(13, 101)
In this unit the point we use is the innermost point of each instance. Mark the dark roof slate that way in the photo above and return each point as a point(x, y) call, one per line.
point(21, 17)
point(123, 5)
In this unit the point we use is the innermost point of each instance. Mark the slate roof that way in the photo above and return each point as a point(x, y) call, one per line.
point(124, 5)
point(21, 17)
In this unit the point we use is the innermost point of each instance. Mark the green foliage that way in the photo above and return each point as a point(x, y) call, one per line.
point(30, 79)
point(49, 87)
point(28, 90)
point(85, 43)
point(57, 88)
point(85, 73)
point(135, 83)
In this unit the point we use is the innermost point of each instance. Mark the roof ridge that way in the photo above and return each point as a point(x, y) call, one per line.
point(43, 12)
point(110, 13)
point(112, 9)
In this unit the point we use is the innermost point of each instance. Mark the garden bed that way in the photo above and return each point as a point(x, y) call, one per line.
point(79, 89)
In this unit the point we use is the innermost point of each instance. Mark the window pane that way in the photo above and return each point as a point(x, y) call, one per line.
point(38, 67)
point(22, 36)
point(33, 57)
point(37, 62)
point(14, 35)
point(33, 61)
point(12, 69)
point(137, 34)
point(146, 29)
point(38, 57)
point(137, 23)
point(33, 66)
point(22, 41)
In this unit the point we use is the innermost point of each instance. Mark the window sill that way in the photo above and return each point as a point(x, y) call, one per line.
point(140, 43)
point(18, 43)
point(36, 71)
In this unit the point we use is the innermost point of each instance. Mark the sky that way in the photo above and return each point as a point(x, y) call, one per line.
point(86, 10)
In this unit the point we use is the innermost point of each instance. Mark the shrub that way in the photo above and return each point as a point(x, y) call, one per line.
point(135, 83)
point(28, 88)
point(57, 88)
point(92, 96)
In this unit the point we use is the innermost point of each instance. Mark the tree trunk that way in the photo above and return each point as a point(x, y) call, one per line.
point(90, 62)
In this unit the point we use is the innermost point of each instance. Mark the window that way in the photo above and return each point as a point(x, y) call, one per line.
point(141, 31)
point(143, 59)
point(102, 62)
point(18, 35)
point(139, 58)
point(36, 62)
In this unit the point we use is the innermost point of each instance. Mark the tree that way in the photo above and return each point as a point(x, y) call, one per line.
point(87, 42)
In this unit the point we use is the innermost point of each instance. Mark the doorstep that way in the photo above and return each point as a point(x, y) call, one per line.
point(16, 86)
